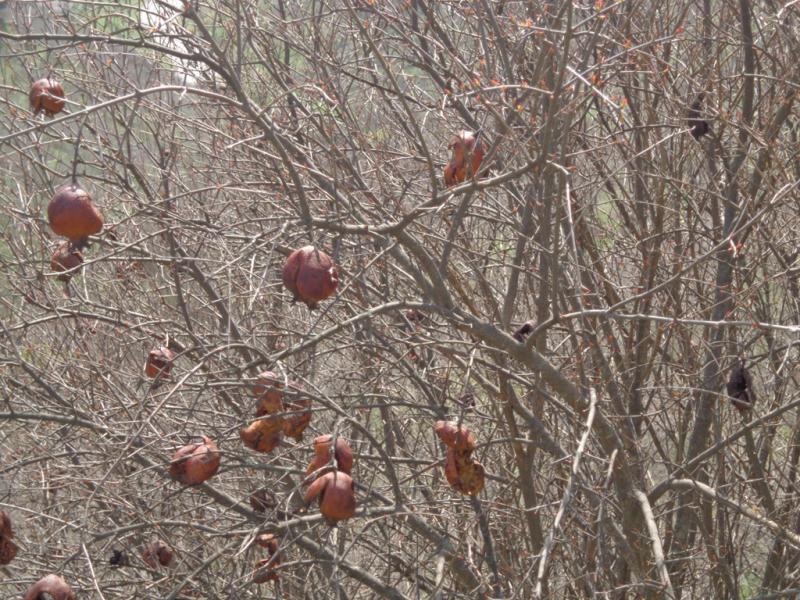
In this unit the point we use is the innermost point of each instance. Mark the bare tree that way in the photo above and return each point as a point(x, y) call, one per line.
point(620, 245)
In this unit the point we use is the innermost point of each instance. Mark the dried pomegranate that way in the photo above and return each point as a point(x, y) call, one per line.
point(269, 392)
point(263, 572)
point(72, 214)
point(195, 463)
point(157, 553)
point(8, 549)
point(455, 436)
point(322, 451)
point(159, 362)
point(50, 584)
point(263, 435)
point(47, 95)
point(295, 424)
point(336, 492)
point(463, 473)
point(466, 159)
point(310, 275)
point(65, 259)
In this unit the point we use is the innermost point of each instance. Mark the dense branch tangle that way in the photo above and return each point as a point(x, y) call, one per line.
point(218, 137)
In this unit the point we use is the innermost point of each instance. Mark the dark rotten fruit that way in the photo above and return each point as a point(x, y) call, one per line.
point(466, 159)
point(699, 127)
point(310, 276)
point(157, 553)
point(64, 260)
point(46, 95)
point(8, 549)
point(159, 362)
point(50, 584)
point(342, 454)
point(455, 436)
point(263, 435)
point(72, 214)
point(740, 388)
point(336, 493)
point(195, 463)
point(463, 473)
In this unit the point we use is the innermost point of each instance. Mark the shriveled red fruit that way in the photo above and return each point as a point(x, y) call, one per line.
point(159, 362)
point(64, 259)
point(463, 473)
point(295, 424)
point(8, 549)
point(337, 495)
point(322, 451)
point(263, 435)
point(466, 159)
point(455, 436)
point(46, 95)
point(268, 541)
point(264, 573)
point(50, 584)
point(157, 553)
point(195, 463)
point(310, 275)
point(268, 390)
point(72, 214)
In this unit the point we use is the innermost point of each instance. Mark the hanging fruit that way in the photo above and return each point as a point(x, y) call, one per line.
point(8, 549)
point(157, 553)
point(295, 424)
point(468, 153)
point(310, 275)
point(342, 454)
point(72, 214)
point(464, 474)
point(159, 362)
point(266, 568)
point(50, 584)
point(455, 436)
point(195, 463)
point(740, 388)
point(263, 435)
point(47, 95)
point(337, 496)
point(64, 260)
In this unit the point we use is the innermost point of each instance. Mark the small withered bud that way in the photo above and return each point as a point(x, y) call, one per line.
point(699, 127)
point(740, 388)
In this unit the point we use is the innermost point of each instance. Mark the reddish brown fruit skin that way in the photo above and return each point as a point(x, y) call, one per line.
point(195, 463)
point(8, 549)
point(263, 573)
point(322, 449)
point(157, 553)
point(269, 392)
point(337, 498)
point(47, 95)
point(263, 435)
point(159, 362)
point(72, 214)
point(455, 436)
point(65, 259)
point(294, 425)
point(51, 584)
point(467, 156)
point(310, 275)
point(464, 474)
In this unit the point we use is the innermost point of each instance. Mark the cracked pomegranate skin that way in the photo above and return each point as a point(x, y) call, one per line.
point(64, 259)
point(455, 436)
point(195, 463)
point(47, 95)
point(72, 214)
point(336, 492)
point(342, 454)
point(310, 275)
point(263, 435)
point(159, 362)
